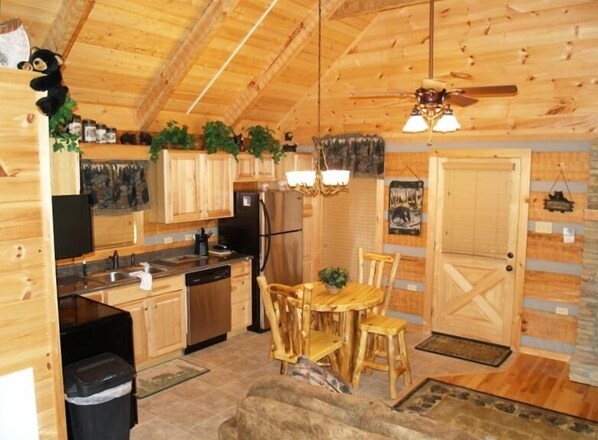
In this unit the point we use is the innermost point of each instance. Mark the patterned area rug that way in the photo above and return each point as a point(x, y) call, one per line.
point(166, 375)
point(491, 417)
point(467, 349)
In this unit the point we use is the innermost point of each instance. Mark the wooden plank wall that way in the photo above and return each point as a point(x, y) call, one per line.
point(553, 268)
point(28, 298)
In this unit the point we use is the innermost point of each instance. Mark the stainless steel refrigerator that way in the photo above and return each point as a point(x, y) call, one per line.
point(268, 226)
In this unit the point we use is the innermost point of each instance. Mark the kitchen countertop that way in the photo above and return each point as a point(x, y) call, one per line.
point(77, 285)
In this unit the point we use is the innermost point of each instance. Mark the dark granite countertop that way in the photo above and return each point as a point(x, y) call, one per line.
point(77, 285)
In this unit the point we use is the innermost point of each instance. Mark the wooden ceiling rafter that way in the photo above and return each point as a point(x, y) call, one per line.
point(352, 8)
point(182, 61)
point(295, 42)
point(67, 25)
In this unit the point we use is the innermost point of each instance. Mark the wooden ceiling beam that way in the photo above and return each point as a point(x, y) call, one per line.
point(67, 25)
point(182, 61)
point(359, 7)
point(295, 42)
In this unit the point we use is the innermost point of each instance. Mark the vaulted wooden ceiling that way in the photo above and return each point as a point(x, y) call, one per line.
point(136, 64)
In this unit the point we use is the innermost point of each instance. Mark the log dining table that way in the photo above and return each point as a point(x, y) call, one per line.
point(347, 303)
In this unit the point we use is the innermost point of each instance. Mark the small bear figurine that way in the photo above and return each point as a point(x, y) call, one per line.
point(47, 62)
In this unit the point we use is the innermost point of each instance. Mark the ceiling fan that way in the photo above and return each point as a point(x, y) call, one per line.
point(433, 99)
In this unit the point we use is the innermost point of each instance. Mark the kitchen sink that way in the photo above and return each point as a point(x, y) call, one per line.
point(115, 275)
point(110, 277)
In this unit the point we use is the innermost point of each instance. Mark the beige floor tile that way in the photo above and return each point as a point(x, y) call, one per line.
point(155, 429)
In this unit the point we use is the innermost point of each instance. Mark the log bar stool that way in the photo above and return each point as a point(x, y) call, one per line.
point(377, 325)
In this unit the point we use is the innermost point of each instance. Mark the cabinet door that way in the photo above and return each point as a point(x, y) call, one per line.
point(175, 187)
point(245, 168)
point(137, 309)
point(166, 323)
point(240, 296)
point(217, 186)
point(266, 169)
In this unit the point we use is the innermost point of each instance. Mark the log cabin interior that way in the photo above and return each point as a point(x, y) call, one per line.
point(137, 65)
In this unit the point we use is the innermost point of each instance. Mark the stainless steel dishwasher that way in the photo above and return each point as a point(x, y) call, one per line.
point(208, 307)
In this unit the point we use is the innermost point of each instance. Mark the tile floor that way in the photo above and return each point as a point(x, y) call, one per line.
point(194, 409)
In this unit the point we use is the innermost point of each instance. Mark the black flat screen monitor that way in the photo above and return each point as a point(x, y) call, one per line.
point(73, 232)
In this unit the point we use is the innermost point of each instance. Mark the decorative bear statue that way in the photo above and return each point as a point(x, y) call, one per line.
point(47, 62)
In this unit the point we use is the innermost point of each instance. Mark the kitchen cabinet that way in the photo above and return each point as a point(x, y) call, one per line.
point(240, 296)
point(159, 316)
point(249, 168)
point(293, 162)
point(190, 186)
point(96, 296)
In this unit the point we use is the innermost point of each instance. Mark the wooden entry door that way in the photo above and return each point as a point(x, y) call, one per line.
point(478, 229)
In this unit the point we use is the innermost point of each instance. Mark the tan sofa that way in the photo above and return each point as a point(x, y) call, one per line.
point(280, 407)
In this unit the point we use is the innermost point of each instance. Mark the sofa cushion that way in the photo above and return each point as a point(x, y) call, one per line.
point(342, 407)
point(260, 418)
point(309, 372)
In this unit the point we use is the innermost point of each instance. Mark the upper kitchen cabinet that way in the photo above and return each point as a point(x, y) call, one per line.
point(249, 168)
point(293, 162)
point(190, 186)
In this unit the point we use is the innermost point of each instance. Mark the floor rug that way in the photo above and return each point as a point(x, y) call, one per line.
point(166, 375)
point(467, 349)
point(492, 417)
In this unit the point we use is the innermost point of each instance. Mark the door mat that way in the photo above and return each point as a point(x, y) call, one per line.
point(166, 375)
point(467, 349)
point(492, 417)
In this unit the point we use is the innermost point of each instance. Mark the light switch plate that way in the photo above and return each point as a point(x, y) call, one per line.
point(544, 227)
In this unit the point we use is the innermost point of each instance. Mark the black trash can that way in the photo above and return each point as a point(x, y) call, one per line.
point(98, 395)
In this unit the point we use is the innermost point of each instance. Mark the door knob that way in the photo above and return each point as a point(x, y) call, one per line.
point(510, 255)
point(509, 268)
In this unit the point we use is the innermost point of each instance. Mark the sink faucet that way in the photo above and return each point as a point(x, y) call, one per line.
point(112, 261)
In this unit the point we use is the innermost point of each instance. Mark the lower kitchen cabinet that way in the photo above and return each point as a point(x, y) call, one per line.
point(240, 296)
point(159, 325)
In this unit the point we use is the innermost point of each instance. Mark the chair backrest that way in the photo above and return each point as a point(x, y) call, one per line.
point(289, 312)
point(372, 267)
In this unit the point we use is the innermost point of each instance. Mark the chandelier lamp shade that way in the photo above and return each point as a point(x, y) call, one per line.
point(318, 181)
point(431, 112)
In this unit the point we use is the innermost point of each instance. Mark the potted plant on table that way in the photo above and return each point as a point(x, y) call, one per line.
point(334, 278)
point(219, 137)
point(262, 140)
point(174, 136)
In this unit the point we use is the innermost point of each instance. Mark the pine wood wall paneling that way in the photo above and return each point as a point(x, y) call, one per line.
point(546, 166)
point(406, 301)
point(552, 286)
point(28, 314)
point(550, 247)
point(544, 325)
point(412, 268)
point(395, 165)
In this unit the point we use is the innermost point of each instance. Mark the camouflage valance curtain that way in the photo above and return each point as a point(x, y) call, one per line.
point(361, 154)
point(116, 187)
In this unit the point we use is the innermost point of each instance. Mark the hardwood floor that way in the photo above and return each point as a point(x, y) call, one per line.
point(537, 381)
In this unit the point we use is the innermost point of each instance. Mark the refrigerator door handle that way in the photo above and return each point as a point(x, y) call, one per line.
point(266, 237)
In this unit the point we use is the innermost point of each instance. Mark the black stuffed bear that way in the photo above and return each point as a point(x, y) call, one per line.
point(48, 62)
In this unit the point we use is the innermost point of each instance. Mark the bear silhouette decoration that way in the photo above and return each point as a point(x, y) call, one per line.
point(49, 63)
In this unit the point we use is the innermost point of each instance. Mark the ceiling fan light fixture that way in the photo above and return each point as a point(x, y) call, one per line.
point(416, 122)
point(448, 122)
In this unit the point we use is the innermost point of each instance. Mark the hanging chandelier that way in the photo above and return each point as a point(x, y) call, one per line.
point(319, 181)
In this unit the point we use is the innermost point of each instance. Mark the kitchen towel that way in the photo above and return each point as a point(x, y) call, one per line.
point(146, 279)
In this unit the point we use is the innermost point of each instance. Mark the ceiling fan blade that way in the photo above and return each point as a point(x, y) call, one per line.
point(431, 83)
point(506, 90)
point(460, 100)
point(380, 94)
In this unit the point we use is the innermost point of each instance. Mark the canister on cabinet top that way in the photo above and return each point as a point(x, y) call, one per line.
point(111, 135)
point(75, 126)
point(89, 130)
point(101, 134)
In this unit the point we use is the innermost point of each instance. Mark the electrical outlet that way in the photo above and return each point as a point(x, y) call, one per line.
point(544, 227)
point(167, 240)
point(188, 237)
point(412, 287)
point(561, 311)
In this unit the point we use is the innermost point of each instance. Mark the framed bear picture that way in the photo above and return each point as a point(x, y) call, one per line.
point(405, 207)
